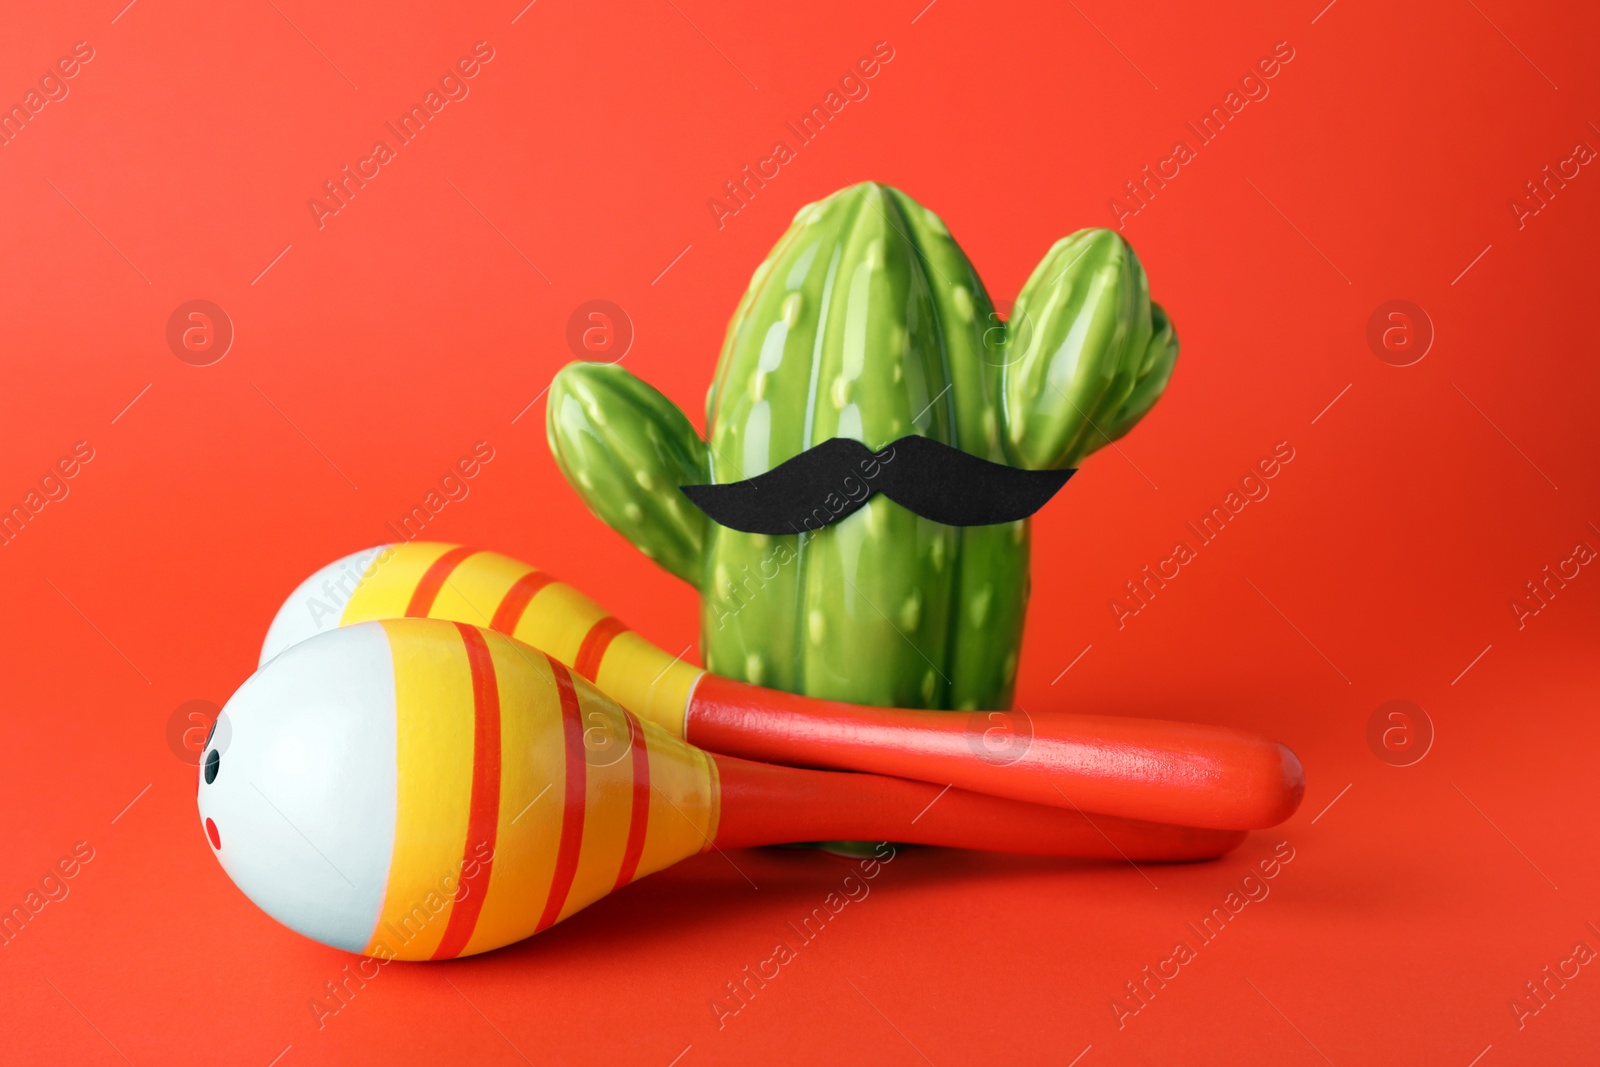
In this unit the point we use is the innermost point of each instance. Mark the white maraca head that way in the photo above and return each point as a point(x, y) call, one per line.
point(297, 784)
point(378, 787)
point(317, 603)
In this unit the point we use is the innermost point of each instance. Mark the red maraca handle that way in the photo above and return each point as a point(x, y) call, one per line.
point(1142, 769)
point(767, 805)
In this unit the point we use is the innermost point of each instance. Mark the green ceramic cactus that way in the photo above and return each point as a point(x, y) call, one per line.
point(867, 321)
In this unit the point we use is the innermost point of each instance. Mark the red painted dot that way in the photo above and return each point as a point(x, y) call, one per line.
point(211, 832)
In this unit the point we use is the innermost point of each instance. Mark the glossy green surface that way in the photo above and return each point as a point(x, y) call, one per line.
point(867, 321)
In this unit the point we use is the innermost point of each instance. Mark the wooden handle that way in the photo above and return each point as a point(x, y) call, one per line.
point(766, 805)
point(1142, 769)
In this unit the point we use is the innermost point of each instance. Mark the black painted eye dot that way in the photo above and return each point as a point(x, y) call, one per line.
point(213, 761)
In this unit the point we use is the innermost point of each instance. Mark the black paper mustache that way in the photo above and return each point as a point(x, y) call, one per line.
point(832, 480)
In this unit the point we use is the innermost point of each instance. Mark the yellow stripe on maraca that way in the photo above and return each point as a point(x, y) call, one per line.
point(434, 755)
point(641, 678)
point(482, 588)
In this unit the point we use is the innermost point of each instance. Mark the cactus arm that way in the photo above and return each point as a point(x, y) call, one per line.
point(1153, 377)
point(1087, 318)
point(626, 449)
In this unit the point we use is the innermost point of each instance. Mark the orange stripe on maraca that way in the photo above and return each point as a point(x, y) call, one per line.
point(572, 815)
point(433, 580)
point(509, 614)
point(390, 580)
point(639, 816)
point(484, 811)
point(595, 644)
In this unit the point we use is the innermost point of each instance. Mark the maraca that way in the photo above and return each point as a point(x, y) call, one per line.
point(422, 789)
point(1147, 769)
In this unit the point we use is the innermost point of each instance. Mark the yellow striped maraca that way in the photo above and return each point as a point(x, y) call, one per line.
point(443, 581)
point(388, 788)
point(423, 789)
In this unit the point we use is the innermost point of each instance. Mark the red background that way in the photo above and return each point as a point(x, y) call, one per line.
point(380, 347)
